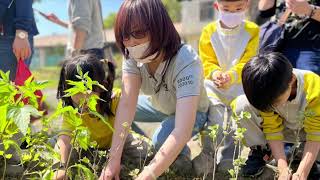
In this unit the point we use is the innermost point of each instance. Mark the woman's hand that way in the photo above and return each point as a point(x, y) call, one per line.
point(21, 47)
point(111, 171)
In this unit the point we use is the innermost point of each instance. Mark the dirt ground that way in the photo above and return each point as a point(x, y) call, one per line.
point(149, 129)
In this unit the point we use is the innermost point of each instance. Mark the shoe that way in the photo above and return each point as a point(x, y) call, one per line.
point(203, 164)
point(256, 162)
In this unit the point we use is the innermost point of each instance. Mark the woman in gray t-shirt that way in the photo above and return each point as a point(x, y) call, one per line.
point(170, 77)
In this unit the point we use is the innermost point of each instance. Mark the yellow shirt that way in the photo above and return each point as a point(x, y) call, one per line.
point(99, 131)
point(303, 110)
point(214, 55)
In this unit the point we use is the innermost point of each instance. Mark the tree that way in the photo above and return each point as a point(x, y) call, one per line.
point(109, 21)
point(173, 7)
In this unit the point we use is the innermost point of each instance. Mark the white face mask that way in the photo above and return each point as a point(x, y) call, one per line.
point(137, 52)
point(232, 20)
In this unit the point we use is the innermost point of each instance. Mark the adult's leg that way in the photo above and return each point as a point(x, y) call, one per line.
point(8, 61)
point(146, 113)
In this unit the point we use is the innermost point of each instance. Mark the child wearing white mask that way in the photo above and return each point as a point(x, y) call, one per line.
point(225, 46)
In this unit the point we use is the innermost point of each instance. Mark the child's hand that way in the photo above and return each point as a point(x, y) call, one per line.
point(60, 174)
point(221, 80)
point(226, 81)
point(217, 78)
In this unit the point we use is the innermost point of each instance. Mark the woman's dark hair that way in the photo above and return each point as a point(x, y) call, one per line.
point(98, 70)
point(265, 77)
point(151, 17)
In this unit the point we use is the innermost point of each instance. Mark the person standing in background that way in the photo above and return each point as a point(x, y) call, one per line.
point(86, 27)
point(17, 29)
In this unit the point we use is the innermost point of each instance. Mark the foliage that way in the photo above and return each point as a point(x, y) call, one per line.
point(173, 8)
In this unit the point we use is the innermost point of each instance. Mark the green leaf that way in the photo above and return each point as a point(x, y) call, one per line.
point(3, 117)
point(85, 160)
point(79, 70)
point(21, 117)
point(1, 153)
point(87, 172)
point(99, 85)
point(103, 119)
point(8, 143)
point(48, 175)
point(26, 157)
point(92, 102)
point(83, 137)
point(8, 156)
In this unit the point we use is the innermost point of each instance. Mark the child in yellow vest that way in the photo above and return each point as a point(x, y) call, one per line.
point(225, 46)
point(284, 104)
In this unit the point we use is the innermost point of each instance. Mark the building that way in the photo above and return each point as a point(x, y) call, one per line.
point(195, 15)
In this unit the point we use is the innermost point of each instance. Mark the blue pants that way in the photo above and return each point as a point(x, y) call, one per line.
point(8, 61)
point(146, 113)
point(306, 59)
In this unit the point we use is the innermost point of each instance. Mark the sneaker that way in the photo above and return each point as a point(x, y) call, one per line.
point(182, 164)
point(256, 162)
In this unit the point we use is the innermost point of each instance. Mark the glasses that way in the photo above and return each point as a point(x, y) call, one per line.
point(138, 34)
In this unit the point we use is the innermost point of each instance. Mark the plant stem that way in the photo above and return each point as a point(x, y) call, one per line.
point(5, 166)
point(215, 159)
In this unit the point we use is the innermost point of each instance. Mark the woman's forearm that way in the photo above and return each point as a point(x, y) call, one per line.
point(125, 113)
point(184, 123)
point(124, 118)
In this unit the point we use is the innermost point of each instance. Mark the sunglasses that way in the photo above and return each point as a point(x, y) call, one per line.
point(138, 34)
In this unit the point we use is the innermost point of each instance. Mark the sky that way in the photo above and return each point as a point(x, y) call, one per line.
point(59, 8)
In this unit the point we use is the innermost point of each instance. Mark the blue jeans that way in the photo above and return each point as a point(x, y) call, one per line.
point(146, 113)
point(306, 59)
point(8, 61)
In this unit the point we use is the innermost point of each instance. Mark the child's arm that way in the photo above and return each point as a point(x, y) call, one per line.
point(272, 128)
point(250, 51)
point(277, 148)
point(310, 154)
point(63, 146)
point(206, 52)
point(311, 124)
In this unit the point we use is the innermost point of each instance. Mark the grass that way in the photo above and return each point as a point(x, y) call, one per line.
point(50, 74)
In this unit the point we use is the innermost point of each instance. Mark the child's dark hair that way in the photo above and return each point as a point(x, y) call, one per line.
point(265, 77)
point(99, 70)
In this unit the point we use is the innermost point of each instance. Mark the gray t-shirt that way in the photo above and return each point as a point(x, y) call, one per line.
point(86, 15)
point(180, 77)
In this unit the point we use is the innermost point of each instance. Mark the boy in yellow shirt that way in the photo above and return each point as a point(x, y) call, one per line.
point(284, 104)
point(225, 46)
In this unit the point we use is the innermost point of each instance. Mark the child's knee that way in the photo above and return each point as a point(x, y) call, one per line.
point(240, 104)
